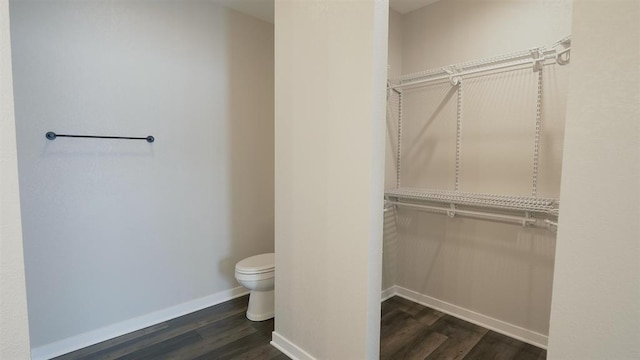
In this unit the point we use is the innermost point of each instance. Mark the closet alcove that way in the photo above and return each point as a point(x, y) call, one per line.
point(475, 124)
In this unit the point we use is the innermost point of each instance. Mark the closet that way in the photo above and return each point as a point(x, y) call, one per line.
point(475, 125)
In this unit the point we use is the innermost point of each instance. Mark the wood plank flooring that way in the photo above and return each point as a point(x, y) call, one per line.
point(408, 331)
point(412, 331)
point(217, 332)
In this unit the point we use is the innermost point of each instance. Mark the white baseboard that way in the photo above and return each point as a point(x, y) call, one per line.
point(288, 348)
point(388, 293)
point(499, 326)
point(73, 343)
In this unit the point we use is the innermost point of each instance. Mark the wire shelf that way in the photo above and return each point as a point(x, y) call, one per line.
point(500, 202)
point(536, 56)
point(506, 60)
point(530, 209)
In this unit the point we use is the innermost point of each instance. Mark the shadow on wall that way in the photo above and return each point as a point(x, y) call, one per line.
point(391, 158)
point(436, 102)
point(498, 129)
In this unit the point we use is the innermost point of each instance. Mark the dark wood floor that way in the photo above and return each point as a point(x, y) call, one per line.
point(412, 331)
point(217, 332)
point(408, 331)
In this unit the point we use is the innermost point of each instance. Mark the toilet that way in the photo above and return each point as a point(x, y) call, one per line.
point(257, 273)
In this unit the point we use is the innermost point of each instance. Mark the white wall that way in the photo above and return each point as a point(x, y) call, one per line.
point(503, 272)
point(476, 29)
point(14, 325)
point(596, 293)
point(331, 60)
point(116, 230)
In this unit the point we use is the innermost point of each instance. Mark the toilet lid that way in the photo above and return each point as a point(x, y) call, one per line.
point(257, 264)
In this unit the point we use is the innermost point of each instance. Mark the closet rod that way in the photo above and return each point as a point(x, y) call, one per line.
point(52, 136)
point(448, 76)
point(522, 220)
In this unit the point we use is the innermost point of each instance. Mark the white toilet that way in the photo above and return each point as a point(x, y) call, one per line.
point(257, 273)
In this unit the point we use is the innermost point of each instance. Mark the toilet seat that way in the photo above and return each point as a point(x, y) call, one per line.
point(258, 264)
point(255, 277)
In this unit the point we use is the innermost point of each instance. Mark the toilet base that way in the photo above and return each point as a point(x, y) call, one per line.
point(261, 305)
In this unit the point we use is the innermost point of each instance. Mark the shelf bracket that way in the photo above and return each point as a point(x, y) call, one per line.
point(453, 78)
point(452, 213)
point(564, 56)
point(538, 59)
point(551, 225)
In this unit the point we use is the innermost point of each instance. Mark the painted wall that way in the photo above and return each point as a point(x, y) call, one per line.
point(499, 271)
point(117, 230)
point(331, 64)
point(595, 311)
point(14, 324)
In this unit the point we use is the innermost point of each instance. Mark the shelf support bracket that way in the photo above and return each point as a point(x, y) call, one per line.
point(452, 213)
point(564, 56)
point(538, 59)
point(453, 78)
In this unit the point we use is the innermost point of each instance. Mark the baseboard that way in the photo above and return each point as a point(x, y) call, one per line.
point(499, 326)
point(388, 293)
point(93, 337)
point(288, 348)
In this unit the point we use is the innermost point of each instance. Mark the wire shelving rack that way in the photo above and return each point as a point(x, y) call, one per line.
point(526, 210)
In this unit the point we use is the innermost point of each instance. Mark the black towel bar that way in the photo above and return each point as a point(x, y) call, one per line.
point(51, 136)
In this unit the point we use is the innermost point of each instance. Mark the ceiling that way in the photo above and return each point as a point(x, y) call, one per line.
point(263, 9)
